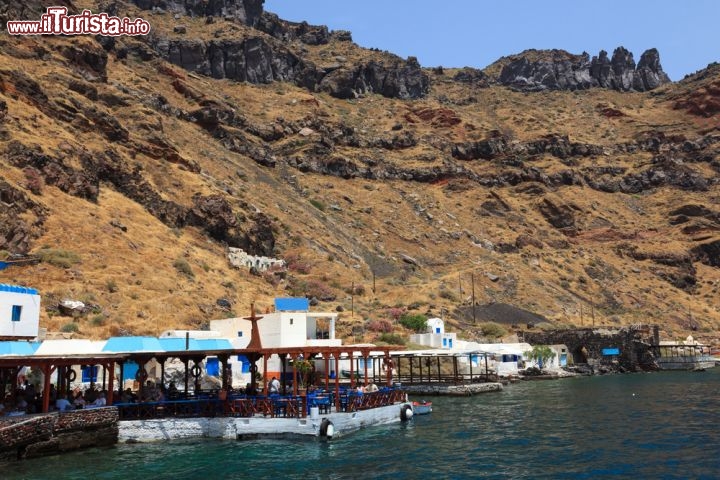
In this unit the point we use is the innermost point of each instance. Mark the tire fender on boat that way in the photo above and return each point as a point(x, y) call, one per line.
point(406, 413)
point(327, 429)
point(71, 375)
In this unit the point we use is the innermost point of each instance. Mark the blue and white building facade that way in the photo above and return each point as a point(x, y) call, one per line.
point(19, 312)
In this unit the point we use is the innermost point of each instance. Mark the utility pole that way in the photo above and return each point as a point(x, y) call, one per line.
point(373, 282)
point(352, 299)
point(472, 279)
point(593, 315)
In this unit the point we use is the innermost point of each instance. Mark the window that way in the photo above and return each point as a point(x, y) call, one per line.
point(291, 321)
point(240, 333)
point(16, 313)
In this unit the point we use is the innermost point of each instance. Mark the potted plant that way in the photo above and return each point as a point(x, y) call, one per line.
point(303, 368)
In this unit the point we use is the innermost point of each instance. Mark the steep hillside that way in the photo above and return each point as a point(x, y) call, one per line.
point(130, 165)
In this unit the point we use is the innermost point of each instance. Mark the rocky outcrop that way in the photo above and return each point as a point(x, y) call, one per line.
point(560, 70)
point(290, 31)
point(29, 9)
point(215, 215)
point(675, 268)
point(559, 215)
point(21, 219)
point(244, 11)
point(251, 59)
point(707, 253)
point(257, 60)
point(498, 145)
point(472, 76)
point(394, 78)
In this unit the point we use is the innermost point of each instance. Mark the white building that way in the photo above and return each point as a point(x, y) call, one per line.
point(290, 325)
point(435, 336)
point(19, 312)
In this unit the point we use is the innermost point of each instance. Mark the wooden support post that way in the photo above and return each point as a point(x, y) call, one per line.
point(352, 370)
point(337, 382)
point(326, 357)
point(470, 362)
point(487, 372)
point(265, 375)
point(365, 359)
point(111, 383)
point(47, 371)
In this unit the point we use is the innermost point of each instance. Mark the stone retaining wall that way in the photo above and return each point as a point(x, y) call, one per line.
point(586, 345)
point(453, 390)
point(46, 434)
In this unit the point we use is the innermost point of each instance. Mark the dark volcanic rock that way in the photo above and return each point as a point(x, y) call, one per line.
point(560, 70)
point(245, 11)
point(559, 216)
point(214, 214)
point(260, 239)
point(54, 171)
point(89, 59)
point(252, 59)
point(472, 76)
point(394, 79)
point(707, 253)
point(17, 230)
point(498, 145)
point(289, 31)
point(649, 73)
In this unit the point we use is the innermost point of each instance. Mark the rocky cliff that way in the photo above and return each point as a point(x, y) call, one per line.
point(248, 12)
point(131, 165)
point(559, 70)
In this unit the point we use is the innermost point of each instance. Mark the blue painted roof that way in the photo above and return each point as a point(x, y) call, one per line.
point(17, 289)
point(286, 304)
point(611, 351)
point(18, 348)
point(133, 344)
point(214, 344)
point(3, 265)
point(178, 344)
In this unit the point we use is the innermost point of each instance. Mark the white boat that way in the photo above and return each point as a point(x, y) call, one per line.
point(421, 408)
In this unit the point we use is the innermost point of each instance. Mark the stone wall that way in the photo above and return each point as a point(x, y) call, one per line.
point(586, 345)
point(453, 390)
point(47, 434)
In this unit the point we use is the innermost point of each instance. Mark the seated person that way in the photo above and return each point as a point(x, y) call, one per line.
point(274, 386)
point(100, 401)
point(127, 396)
point(173, 391)
point(79, 400)
point(63, 404)
point(371, 388)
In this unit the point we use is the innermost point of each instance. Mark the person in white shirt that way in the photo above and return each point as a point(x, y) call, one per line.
point(100, 400)
point(274, 385)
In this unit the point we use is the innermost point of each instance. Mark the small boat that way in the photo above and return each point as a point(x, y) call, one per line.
point(421, 408)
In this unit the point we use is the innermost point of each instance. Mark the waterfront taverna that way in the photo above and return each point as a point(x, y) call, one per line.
point(310, 401)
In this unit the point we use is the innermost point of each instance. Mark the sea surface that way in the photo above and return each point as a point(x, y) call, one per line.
point(640, 426)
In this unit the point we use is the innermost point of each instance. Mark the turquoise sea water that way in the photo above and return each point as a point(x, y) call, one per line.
point(639, 426)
